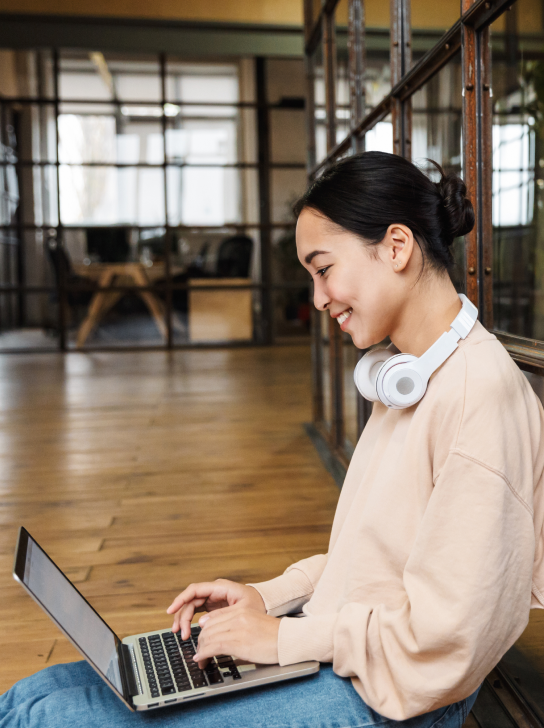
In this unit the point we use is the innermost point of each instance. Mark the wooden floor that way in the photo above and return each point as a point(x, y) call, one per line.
point(142, 472)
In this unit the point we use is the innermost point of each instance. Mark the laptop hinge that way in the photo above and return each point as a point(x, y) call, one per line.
point(128, 671)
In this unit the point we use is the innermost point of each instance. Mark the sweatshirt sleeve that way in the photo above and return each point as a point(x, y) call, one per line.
point(288, 593)
point(467, 589)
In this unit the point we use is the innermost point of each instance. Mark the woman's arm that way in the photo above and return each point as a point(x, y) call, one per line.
point(242, 616)
point(467, 595)
point(288, 593)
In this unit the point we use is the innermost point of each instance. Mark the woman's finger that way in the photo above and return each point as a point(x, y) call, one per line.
point(186, 615)
point(193, 591)
point(178, 615)
point(216, 633)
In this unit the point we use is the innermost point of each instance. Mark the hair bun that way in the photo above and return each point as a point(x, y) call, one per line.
point(458, 210)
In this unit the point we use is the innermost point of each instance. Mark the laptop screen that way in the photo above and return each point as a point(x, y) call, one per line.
point(68, 608)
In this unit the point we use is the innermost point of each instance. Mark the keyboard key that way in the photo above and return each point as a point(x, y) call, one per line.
point(215, 679)
point(168, 689)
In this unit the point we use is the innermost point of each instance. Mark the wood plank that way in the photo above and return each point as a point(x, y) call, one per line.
point(142, 472)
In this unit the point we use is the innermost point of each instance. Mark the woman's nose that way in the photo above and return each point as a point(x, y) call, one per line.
point(321, 299)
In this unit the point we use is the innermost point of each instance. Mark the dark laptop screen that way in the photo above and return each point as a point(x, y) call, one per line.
point(68, 608)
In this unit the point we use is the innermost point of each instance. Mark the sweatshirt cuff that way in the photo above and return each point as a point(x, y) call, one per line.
point(285, 594)
point(306, 638)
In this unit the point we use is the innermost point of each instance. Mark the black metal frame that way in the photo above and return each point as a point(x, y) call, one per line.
point(263, 166)
point(470, 35)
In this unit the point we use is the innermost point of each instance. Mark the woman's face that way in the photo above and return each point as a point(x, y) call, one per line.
point(358, 284)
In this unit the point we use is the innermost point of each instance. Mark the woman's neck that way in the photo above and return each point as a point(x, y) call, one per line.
point(427, 313)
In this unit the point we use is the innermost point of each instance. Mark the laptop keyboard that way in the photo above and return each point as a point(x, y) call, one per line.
point(169, 665)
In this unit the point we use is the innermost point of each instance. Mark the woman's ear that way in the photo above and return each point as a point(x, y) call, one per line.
point(399, 246)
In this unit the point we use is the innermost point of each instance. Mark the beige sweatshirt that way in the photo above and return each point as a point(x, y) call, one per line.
point(436, 553)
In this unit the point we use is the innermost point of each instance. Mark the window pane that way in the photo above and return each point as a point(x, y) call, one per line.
point(288, 136)
point(24, 260)
point(202, 141)
point(291, 314)
point(436, 135)
point(110, 196)
point(29, 132)
point(518, 190)
point(378, 69)
point(220, 315)
point(204, 83)
point(318, 71)
point(109, 138)
point(437, 121)
point(80, 77)
point(9, 193)
point(87, 246)
point(29, 321)
point(380, 137)
point(286, 267)
point(95, 76)
point(135, 78)
point(342, 91)
point(26, 73)
point(211, 258)
point(130, 317)
point(287, 185)
point(203, 195)
point(9, 263)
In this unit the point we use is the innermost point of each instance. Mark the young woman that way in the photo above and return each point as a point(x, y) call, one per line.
point(436, 552)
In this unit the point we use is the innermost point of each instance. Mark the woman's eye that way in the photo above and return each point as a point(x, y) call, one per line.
point(322, 271)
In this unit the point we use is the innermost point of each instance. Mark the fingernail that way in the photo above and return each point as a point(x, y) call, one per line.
point(203, 619)
point(196, 657)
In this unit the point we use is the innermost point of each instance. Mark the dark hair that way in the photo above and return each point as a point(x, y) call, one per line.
point(368, 192)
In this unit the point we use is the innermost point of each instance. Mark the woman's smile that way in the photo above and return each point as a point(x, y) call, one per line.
point(344, 317)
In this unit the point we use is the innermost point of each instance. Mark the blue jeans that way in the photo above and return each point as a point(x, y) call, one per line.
point(73, 696)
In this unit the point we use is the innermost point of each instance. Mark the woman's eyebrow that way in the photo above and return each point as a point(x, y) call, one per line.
point(308, 259)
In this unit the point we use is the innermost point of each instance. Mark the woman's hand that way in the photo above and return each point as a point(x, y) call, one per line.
point(239, 631)
point(212, 595)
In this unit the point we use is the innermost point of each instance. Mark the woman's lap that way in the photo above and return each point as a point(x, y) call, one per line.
point(73, 695)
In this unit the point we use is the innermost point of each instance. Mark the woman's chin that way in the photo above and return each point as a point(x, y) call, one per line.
point(363, 341)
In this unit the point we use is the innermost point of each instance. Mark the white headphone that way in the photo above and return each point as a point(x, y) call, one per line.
point(400, 380)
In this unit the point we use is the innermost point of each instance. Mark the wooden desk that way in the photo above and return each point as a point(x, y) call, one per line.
point(222, 315)
point(132, 274)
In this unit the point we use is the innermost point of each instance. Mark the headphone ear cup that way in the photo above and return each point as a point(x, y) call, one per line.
point(398, 384)
point(366, 372)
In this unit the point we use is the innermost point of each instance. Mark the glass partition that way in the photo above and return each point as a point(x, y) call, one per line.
point(342, 80)
point(377, 73)
point(518, 190)
point(437, 135)
point(127, 179)
point(318, 79)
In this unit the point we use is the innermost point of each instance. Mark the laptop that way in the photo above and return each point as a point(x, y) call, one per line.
point(146, 671)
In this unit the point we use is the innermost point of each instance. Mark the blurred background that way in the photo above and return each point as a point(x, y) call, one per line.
point(148, 164)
